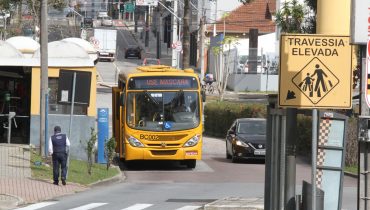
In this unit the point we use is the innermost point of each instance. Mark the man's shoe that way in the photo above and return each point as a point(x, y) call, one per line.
point(64, 182)
point(55, 183)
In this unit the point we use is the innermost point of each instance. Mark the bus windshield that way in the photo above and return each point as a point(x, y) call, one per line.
point(163, 111)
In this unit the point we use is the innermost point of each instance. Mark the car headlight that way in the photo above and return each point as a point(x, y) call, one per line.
point(192, 141)
point(134, 142)
point(241, 143)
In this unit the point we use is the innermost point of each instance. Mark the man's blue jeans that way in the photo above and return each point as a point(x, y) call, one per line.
point(59, 160)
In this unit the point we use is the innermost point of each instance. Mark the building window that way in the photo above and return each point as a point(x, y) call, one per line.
point(62, 108)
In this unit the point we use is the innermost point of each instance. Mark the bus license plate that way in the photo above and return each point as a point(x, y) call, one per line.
point(260, 152)
point(191, 153)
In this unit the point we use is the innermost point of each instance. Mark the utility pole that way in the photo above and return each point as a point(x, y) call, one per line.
point(147, 27)
point(159, 28)
point(186, 36)
point(174, 35)
point(44, 76)
point(215, 20)
point(201, 40)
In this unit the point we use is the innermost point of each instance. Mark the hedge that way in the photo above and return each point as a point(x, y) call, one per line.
point(220, 115)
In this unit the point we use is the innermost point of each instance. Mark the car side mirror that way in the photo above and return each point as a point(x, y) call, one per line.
point(231, 132)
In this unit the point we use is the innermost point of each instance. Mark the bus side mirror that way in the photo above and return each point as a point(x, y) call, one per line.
point(122, 99)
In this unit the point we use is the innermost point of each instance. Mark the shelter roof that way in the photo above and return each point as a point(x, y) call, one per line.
point(24, 44)
point(66, 54)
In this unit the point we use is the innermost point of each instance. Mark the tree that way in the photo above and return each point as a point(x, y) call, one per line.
point(310, 25)
point(35, 5)
point(110, 148)
point(222, 73)
point(186, 36)
point(290, 17)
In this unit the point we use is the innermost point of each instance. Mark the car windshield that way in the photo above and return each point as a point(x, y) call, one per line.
point(163, 111)
point(255, 127)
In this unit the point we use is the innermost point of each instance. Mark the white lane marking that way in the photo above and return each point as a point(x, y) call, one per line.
point(37, 206)
point(89, 206)
point(189, 208)
point(138, 206)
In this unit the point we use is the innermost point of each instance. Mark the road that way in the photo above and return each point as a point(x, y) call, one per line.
point(168, 185)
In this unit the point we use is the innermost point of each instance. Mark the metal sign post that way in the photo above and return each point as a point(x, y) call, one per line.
point(314, 153)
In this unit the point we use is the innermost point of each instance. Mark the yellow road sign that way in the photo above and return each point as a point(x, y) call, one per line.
point(315, 71)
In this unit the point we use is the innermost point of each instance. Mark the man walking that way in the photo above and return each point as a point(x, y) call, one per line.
point(58, 148)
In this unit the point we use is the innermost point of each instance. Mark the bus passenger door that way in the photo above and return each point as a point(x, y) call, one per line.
point(116, 118)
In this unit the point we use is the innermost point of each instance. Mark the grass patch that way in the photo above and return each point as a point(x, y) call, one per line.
point(77, 172)
point(351, 169)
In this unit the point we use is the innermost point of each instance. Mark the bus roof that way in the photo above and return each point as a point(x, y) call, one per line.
point(155, 70)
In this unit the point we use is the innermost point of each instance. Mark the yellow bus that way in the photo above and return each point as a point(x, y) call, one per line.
point(157, 115)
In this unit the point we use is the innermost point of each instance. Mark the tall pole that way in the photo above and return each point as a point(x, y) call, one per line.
point(159, 28)
point(174, 35)
point(147, 27)
point(215, 20)
point(313, 158)
point(44, 74)
point(201, 53)
point(186, 35)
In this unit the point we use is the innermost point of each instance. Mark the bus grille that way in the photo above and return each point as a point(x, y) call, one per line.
point(163, 152)
point(167, 145)
point(170, 138)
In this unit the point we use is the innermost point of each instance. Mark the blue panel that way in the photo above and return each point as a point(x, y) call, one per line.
point(103, 132)
point(333, 158)
point(336, 134)
point(331, 182)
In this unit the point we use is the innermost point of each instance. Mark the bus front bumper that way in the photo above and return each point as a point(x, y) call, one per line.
point(148, 153)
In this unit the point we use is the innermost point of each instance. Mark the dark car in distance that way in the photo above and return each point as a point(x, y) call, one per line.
point(133, 51)
point(246, 139)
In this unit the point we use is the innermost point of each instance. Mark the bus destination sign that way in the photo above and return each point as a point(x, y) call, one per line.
point(163, 83)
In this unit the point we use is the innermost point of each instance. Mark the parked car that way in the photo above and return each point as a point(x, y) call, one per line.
point(88, 22)
point(107, 21)
point(151, 61)
point(133, 51)
point(246, 139)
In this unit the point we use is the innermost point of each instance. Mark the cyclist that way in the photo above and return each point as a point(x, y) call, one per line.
point(208, 79)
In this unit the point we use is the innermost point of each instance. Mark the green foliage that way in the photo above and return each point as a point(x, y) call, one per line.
point(90, 150)
point(290, 17)
point(75, 171)
point(110, 147)
point(351, 158)
point(304, 135)
point(220, 115)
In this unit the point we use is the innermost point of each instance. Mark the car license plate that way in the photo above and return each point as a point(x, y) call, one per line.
point(104, 53)
point(260, 152)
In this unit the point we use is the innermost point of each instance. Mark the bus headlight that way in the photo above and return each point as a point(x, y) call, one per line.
point(134, 142)
point(192, 141)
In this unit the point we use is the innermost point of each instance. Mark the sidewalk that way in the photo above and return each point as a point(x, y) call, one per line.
point(16, 185)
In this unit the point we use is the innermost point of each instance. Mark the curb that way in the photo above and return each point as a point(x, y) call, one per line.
point(120, 177)
point(351, 174)
point(10, 201)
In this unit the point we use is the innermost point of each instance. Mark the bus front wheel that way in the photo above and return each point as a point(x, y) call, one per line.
point(191, 163)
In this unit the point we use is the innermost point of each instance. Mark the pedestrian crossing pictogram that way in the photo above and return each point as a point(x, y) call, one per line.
point(315, 80)
point(315, 71)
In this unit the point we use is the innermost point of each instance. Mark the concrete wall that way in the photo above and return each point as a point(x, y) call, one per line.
point(80, 131)
point(253, 82)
